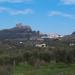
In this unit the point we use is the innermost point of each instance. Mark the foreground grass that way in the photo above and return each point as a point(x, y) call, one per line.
point(49, 69)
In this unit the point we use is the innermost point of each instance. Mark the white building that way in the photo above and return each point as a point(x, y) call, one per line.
point(40, 45)
point(54, 35)
point(51, 35)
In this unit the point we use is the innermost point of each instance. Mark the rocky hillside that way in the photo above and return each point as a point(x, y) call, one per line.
point(19, 32)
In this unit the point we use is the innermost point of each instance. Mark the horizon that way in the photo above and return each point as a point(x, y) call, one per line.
point(35, 30)
point(47, 16)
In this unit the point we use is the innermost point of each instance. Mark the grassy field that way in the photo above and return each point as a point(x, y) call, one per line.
point(52, 69)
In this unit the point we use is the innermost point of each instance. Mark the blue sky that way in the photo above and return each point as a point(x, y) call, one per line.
point(49, 16)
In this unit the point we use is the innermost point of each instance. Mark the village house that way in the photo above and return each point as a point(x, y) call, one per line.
point(41, 45)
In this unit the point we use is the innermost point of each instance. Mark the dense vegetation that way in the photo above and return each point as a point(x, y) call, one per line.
point(49, 69)
point(12, 55)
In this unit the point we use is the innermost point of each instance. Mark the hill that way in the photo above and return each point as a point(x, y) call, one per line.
point(19, 32)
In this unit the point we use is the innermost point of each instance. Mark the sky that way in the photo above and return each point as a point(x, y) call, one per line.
point(47, 16)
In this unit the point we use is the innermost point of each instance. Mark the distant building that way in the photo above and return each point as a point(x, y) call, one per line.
point(21, 42)
point(36, 38)
point(41, 45)
point(72, 44)
point(51, 35)
point(54, 35)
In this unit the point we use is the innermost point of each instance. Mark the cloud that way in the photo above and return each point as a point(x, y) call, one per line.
point(58, 13)
point(22, 12)
point(2, 9)
point(68, 2)
point(16, 12)
point(15, 1)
